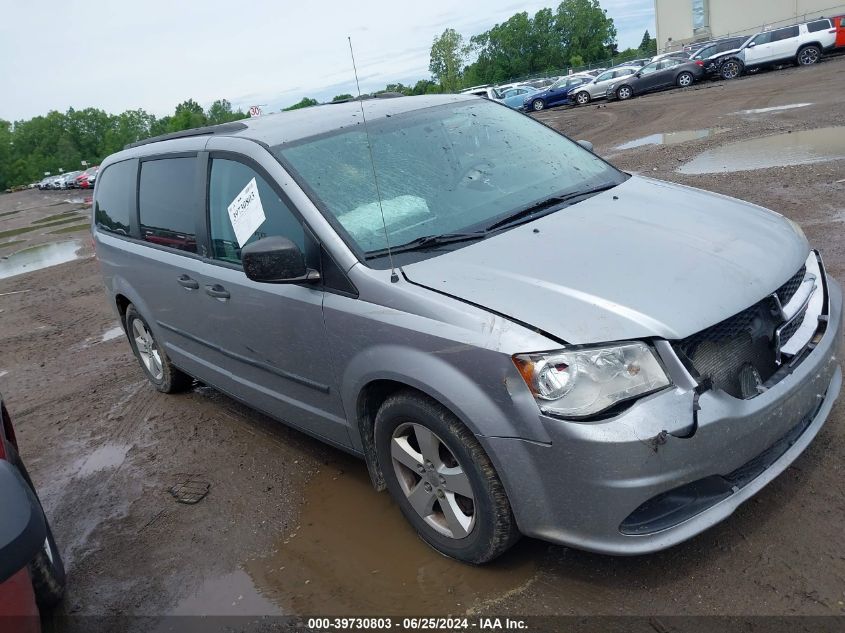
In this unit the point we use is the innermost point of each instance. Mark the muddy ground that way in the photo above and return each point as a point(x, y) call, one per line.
point(290, 525)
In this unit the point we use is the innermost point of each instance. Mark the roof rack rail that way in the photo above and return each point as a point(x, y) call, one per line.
point(222, 128)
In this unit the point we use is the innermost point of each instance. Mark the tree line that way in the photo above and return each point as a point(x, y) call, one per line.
point(62, 140)
point(574, 34)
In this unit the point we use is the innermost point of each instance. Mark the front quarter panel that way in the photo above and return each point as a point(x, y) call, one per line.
point(456, 353)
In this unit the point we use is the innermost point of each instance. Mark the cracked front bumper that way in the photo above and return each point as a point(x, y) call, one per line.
point(579, 489)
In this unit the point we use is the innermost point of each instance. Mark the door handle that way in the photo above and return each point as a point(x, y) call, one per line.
point(217, 291)
point(188, 283)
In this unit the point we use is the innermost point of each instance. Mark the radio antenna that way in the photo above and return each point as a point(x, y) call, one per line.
point(394, 277)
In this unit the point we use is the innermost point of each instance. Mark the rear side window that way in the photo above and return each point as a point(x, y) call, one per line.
point(784, 34)
point(112, 207)
point(818, 25)
point(167, 203)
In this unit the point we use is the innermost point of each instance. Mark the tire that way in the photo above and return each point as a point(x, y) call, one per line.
point(809, 55)
point(623, 93)
point(161, 373)
point(731, 69)
point(685, 80)
point(48, 574)
point(424, 450)
point(538, 104)
point(583, 98)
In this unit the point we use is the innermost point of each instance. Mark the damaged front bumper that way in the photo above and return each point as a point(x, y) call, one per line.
point(662, 472)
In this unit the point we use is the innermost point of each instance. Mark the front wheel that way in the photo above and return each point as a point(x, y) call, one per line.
point(685, 80)
point(624, 93)
point(731, 69)
point(538, 104)
point(582, 98)
point(442, 479)
point(809, 55)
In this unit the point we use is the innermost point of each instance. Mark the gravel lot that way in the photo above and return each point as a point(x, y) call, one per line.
point(291, 526)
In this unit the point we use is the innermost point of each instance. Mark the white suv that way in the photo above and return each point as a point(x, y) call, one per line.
point(802, 44)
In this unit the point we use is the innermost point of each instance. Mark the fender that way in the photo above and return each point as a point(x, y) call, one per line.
point(507, 412)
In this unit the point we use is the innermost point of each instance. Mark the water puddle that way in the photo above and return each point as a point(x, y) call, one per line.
point(791, 106)
point(108, 456)
point(354, 553)
point(797, 148)
point(38, 257)
point(671, 138)
point(228, 595)
point(112, 333)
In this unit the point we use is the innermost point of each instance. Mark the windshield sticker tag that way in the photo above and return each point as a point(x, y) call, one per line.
point(246, 213)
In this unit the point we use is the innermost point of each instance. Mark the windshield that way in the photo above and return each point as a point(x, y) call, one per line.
point(441, 170)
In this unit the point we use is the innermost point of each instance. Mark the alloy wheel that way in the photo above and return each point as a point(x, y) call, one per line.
point(147, 349)
point(434, 482)
point(624, 93)
point(582, 98)
point(730, 70)
point(808, 56)
point(538, 105)
point(684, 80)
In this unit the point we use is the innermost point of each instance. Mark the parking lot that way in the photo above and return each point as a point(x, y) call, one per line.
point(105, 449)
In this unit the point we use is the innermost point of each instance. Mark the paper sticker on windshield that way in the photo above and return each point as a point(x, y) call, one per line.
point(246, 213)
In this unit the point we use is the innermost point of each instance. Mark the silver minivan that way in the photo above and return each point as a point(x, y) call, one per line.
point(515, 336)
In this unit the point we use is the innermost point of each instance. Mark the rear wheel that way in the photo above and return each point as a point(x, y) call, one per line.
point(809, 55)
point(163, 375)
point(731, 69)
point(685, 80)
point(624, 93)
point(582, 98)
point(442, 479)
point(538, 104)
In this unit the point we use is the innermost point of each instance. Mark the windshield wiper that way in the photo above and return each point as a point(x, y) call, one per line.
point(537, 208)
point(428, 241)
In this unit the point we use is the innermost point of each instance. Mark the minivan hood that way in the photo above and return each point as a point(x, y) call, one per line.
point(647, 258)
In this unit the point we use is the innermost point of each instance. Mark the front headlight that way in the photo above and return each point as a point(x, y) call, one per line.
point(582, 382)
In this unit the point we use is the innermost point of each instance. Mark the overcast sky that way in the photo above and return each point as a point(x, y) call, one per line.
point(154, 54)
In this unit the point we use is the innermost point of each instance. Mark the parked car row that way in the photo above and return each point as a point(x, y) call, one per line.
point(725, 58)
point(70, 180)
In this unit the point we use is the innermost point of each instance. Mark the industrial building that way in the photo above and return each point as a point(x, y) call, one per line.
point(680, 22)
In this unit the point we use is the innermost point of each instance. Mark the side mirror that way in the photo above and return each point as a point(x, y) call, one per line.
point(276, 260)
point(752, 44)
point(586, 145)
point(638, 74)
point(22, 526)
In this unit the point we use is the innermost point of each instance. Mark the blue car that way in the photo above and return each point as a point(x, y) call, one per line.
point(515, 97)
point(556, 94)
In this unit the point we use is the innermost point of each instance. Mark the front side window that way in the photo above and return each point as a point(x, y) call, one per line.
point(444, 169)
point(228, 180)
point(112, 208)
point(650, 68)
point(167, 203)
point(605, 76)
point(705, 52)
point(763, 38)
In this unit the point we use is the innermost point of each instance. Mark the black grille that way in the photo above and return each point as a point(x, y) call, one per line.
point(742, 345)
point(788, 290)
